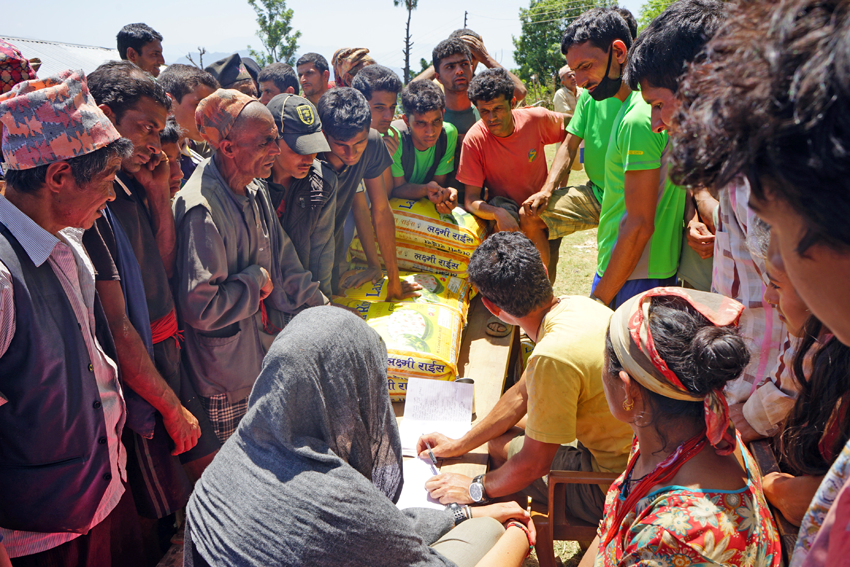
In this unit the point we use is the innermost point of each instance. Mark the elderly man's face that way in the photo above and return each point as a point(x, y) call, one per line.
point(80, 205)
point(254, 146)
point(568, 80)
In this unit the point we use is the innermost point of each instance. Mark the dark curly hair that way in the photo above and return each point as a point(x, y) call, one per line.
point(704, 357)
point(120, 85)
point(599, 26)
point(504, 263)
point(671, 41)
point(447, 48)
point(823, 397)
point(376, 78)
point(773, 99)
point(344, 113)
point(135, 36)
point(179, 80)
point(489, 84)
point(420, 97)
point(319, 62)
point(282, 75)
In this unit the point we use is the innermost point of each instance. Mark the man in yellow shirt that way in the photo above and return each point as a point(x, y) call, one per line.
point(560, 391)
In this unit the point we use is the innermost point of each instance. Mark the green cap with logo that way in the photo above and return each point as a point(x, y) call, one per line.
point(298, 124)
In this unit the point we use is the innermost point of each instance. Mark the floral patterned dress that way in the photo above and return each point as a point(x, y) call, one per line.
point(676, 527)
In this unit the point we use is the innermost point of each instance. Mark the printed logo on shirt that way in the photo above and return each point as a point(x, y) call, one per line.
point(635, 153)
point(532, 154)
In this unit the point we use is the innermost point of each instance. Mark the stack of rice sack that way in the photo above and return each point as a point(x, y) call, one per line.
point(427, 241)
point(422, 338)
point(422, 334)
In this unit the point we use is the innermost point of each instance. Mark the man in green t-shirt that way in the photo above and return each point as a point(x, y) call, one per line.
point(640, 221)
point(432, 145)
point(558, 210)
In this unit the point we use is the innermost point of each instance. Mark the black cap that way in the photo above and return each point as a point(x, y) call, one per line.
point(228, 70)
point(298, 123)
point(252, 67)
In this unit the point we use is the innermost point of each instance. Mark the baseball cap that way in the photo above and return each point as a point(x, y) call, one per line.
point(298, 123)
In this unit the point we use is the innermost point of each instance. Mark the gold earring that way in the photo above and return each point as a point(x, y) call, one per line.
point(628, 404)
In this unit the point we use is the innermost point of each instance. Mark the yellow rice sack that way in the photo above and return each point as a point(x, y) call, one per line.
point(450, 291)
point(419, 222)
point(422, 339)
point(397, 384)
point(414, 258)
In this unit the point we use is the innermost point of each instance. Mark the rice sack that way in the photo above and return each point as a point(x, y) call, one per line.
point(397, 384)
point(450, 291)
point(415, 258)
point(419, 222)
point(422, 340)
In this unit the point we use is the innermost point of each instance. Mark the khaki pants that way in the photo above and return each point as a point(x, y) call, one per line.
point(466, 544)
point(584, 501)
point(570, 210)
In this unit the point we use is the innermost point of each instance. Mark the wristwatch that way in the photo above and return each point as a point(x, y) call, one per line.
point(477, 492)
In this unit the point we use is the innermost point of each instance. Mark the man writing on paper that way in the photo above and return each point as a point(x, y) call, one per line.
point(560, 390)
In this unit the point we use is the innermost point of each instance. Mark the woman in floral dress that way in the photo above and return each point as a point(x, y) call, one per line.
point(691, 494)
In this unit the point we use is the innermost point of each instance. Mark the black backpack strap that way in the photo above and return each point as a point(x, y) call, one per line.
point(439, 153)
point(408, 151)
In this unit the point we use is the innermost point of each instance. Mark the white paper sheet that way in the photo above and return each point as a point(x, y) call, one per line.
point(413, 495)
point(434, 406)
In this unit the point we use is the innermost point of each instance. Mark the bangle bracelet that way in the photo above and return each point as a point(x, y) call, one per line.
point(524, 528)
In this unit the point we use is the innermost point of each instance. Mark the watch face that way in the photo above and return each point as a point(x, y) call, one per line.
point(475, 491)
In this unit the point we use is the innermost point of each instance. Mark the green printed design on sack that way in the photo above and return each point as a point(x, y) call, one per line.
point(420, 338)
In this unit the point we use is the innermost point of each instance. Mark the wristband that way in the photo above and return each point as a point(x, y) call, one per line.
point(460, 514)
point(524, 528)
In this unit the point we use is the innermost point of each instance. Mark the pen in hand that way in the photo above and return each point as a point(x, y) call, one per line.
point(431, 453)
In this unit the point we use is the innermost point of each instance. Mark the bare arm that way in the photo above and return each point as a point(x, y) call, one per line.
point(558, 176)
point(384, 223)
point(641, 194)
point(478, 207)
point(4, 557)
point(140, 374)
point(445, 198)
point(154, 178)
point(791, 494)
point(427, 75)
point(589, 558)
point(363, 224)
point(509, 551)
point(706, 203)
point(699, 235)
point(480, 54)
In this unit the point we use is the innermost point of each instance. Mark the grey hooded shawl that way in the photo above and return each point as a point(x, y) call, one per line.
point(311, 474)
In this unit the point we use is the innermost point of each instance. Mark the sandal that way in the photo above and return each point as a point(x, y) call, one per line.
point(497, 328)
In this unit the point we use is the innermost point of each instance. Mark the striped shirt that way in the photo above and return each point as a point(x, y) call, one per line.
point(741, 276)
point(67, 258)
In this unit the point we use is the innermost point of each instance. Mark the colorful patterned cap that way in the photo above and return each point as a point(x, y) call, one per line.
point(347, 61)
point(216, 114)
point(14, 67)
point(50, 120)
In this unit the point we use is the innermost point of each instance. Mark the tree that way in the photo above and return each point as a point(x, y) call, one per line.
point(650, 10)
point(409, 5)
point(537, 51)
point(275, 32)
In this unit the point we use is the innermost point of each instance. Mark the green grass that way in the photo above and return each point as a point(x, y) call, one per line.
point(577, 260)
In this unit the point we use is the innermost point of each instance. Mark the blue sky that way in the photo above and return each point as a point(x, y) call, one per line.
point(229, 25)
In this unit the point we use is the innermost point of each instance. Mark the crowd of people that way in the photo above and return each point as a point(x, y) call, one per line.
point(192, 224)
